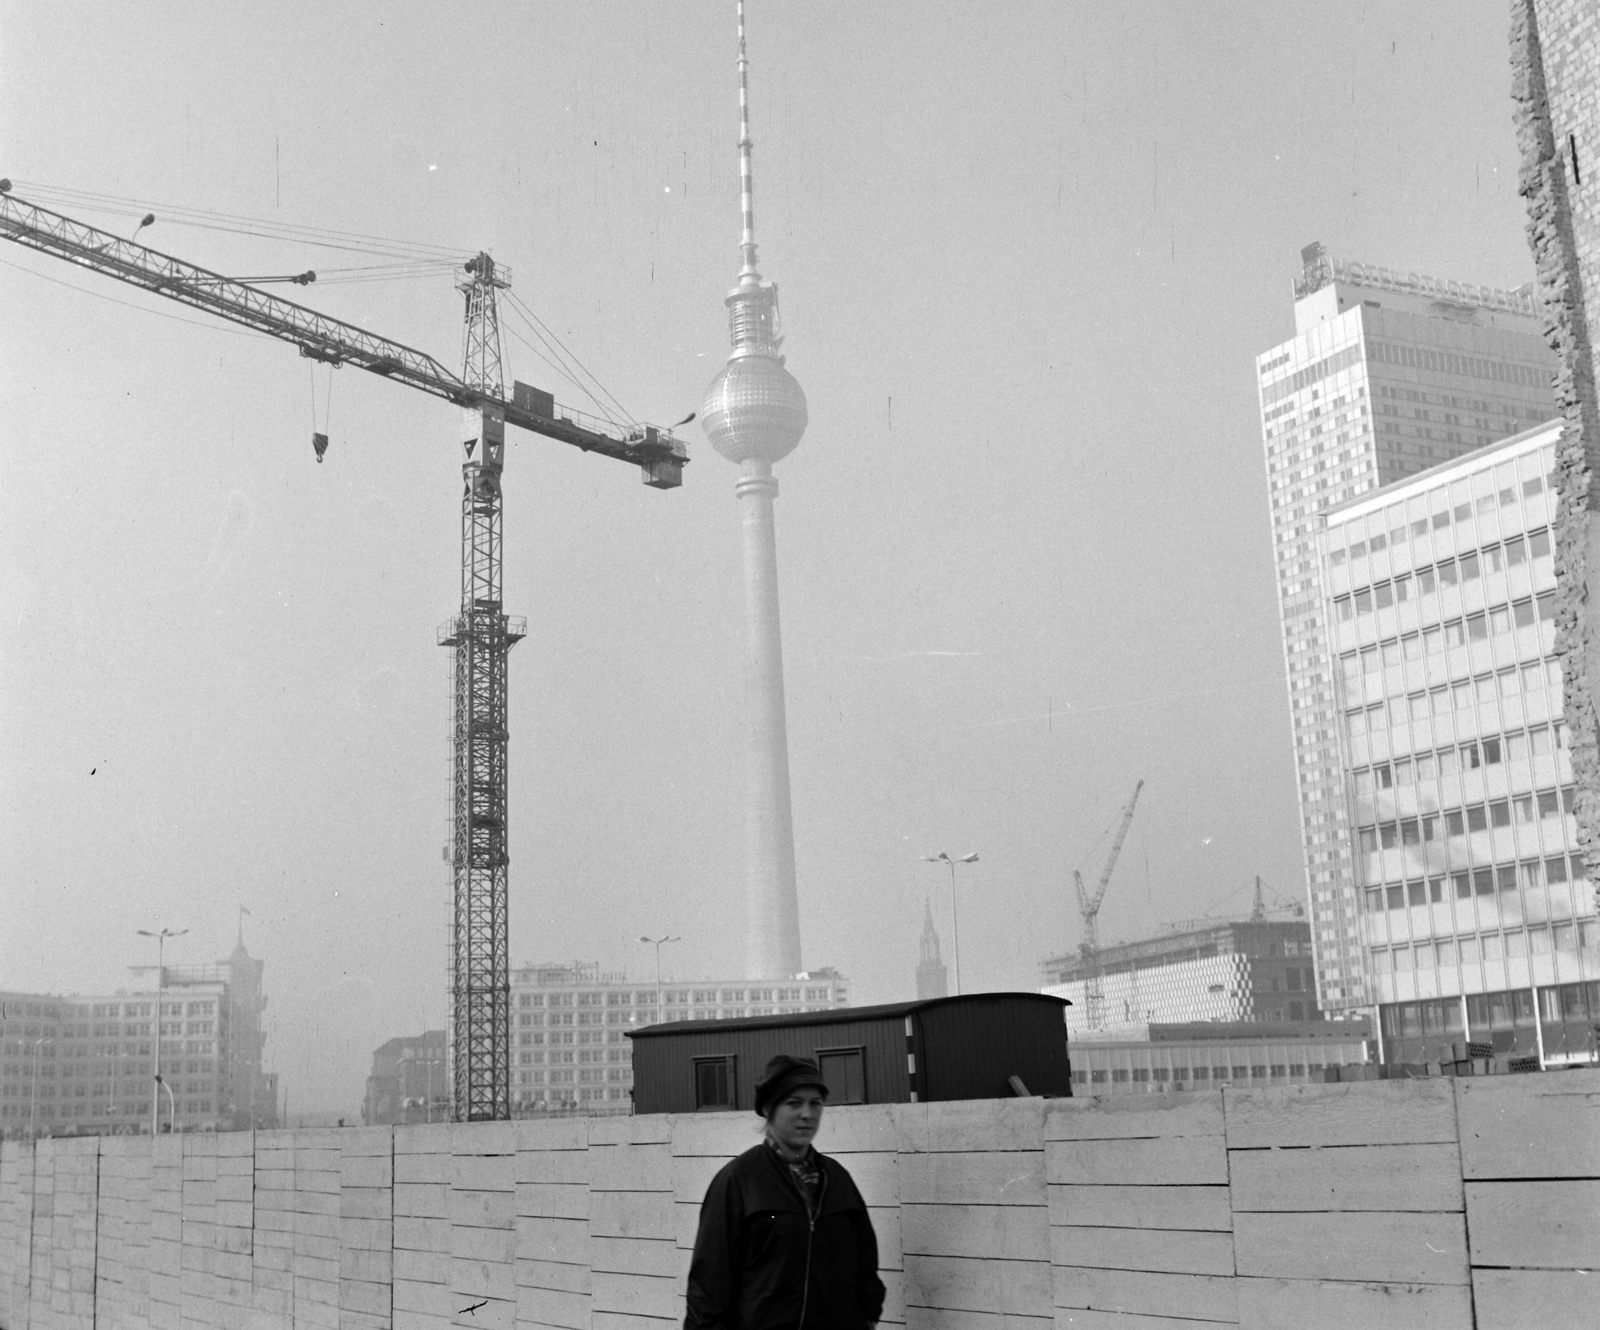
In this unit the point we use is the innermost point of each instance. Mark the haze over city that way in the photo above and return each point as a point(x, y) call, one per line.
point(1027, 255)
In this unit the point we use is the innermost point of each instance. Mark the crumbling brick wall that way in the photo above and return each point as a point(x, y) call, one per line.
point(1555, 58)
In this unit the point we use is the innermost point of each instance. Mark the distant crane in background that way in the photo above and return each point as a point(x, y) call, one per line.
point(1089, 910)
point(482, 634)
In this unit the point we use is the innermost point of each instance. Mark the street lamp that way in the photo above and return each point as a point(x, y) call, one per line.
point(955, 922)
point(161, 974)
point(658, 943)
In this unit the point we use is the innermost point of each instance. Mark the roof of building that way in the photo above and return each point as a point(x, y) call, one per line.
point(1424, 480)
point(1249, 936)
point(835, 1016)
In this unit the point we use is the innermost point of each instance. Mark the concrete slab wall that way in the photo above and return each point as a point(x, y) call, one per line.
point(1438, 1203)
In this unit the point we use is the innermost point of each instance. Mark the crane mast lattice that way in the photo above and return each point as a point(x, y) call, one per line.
point(481, 634)
point(1089, 910)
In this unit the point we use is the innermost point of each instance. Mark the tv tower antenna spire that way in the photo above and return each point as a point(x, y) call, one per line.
point(748, 276)
point(754, 415)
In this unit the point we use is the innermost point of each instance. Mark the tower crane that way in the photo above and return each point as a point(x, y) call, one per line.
point(1089, 910)
point(481, 634)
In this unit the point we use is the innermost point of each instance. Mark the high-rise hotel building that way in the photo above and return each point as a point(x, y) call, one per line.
point(1388, 374)
point(1477, 917)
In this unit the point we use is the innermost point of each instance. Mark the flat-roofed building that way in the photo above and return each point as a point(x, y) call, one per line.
point(1240, 970)
point(570, 1022)
point(409, 1081)
point(1477, 919)
point(1170, 1059)
point(83, 1065)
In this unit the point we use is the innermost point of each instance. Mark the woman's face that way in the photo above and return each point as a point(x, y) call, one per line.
point(796, 1118)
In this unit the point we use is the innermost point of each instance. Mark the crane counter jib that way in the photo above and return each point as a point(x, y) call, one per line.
point(659, 454)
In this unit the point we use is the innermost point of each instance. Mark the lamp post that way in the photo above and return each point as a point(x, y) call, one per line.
point(161, 974)
point(955, 921)
point(658, 943)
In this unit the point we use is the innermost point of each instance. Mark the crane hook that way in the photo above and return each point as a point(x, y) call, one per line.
point(319, 442)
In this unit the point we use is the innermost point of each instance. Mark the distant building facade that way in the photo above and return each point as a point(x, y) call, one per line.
point(1478, 919)
point(1245, 971)
point(933, 980)
point(72, 1065)
point(570, 1050)
point(1176, 1058)
point(1388, 374)
point(409, 1082)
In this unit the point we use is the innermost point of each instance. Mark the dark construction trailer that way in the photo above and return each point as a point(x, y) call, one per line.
point(965, 1047)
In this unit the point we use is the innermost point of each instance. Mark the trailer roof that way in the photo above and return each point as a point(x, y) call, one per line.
point(835, 1016)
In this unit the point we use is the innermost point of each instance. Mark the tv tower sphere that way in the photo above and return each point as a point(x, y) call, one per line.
point(754, 408)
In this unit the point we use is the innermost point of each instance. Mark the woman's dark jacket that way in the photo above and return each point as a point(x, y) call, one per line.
point(760, 1258)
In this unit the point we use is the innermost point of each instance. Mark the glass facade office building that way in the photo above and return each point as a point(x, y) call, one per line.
point(1477, 921)
point(1388, 374)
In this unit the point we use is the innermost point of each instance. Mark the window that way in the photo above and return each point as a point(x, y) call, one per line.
point(844, 1073)
point(1539, 543)
point(713, 1082)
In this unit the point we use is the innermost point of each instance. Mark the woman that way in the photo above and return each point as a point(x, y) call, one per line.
point(785, 1242)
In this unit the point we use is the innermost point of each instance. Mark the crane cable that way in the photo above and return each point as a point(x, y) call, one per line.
point(545, 335)
point(210, 219)
point(408, 259)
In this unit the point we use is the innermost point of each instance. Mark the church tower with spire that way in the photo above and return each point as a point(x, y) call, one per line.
point(933, 980)
point(754, 415)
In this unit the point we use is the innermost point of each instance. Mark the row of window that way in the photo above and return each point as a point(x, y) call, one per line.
point(1496, 622)
point(1512, 553)
point(1361, 677)
point(1404, 528)
point(1527, 681)
point(671, 997)
point(561, 1057)
point(1526, 875)
point(1513, 944)
point(1255, 1071)
point(1474, 755)
point(1487, 1014)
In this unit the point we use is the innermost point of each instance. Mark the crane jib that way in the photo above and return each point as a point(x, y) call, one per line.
point(317, 336)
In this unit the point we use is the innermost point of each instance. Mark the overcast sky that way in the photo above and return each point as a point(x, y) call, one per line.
point(1027, 254)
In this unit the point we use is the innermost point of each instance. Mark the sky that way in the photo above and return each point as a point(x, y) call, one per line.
point(1027, 254)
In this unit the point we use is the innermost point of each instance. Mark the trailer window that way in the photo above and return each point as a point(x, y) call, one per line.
point(844, 1073)
point(713, 1082)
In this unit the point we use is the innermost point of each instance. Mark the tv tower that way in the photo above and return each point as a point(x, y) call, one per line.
point(754, 415)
